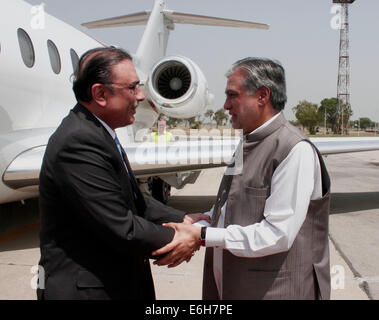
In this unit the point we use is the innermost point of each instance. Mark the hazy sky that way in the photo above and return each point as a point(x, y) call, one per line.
point(300, 37)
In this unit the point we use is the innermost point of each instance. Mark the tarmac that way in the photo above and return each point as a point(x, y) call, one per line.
point(353, 230)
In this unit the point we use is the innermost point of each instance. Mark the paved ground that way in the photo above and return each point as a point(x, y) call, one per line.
point(354, 224)
point(354, 234)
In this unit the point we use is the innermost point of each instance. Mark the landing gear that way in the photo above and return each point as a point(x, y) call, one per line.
point(160, 190)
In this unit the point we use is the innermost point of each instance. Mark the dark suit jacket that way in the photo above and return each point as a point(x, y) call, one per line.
point(94, 243)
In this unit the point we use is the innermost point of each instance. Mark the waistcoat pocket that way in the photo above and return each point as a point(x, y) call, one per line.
point(257, 192)
point(251, 206)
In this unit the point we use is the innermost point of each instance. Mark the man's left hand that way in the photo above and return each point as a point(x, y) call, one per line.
point(195, 217)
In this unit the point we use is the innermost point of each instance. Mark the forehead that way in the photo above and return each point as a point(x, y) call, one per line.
point(124, 71)
point(236, 80)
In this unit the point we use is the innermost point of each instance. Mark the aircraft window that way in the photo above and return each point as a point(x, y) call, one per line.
point(74, 59)
point(26, 48)
point(55, 59)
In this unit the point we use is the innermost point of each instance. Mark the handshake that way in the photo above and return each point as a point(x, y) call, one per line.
point(185, 242)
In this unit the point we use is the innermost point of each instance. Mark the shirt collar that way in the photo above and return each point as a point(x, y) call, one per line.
point(109, 129)
point(265, 124)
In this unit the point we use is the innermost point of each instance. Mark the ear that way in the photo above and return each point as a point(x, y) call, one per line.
point(98, 94)
point(264, 94)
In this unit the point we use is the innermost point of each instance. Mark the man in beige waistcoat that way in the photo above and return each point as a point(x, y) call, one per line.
point(268, 238)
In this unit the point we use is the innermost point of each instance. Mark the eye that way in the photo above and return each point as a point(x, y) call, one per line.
point(135, 87)
point(231, 95)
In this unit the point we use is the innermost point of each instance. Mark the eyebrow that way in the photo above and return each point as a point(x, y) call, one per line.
point(135, 82)
point(229, 91)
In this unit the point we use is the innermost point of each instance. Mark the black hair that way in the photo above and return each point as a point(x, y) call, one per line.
point(95, 66)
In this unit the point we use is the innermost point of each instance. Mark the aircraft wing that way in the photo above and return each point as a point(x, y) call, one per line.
point(149, 159)
point(345, 145)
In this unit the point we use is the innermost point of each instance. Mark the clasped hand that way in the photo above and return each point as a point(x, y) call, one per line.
point(185, 242)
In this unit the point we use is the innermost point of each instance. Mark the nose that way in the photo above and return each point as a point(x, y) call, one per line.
point(227, 105)
point(140, 96)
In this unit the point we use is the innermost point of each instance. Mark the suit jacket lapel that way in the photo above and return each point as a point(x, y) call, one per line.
point(90, 119)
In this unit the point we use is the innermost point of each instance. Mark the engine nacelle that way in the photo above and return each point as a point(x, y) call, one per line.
point(178, 88)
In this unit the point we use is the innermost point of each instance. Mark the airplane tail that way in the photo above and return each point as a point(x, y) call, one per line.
point(160, 21)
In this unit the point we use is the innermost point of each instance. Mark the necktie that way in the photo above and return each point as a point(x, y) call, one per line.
point(138, 197)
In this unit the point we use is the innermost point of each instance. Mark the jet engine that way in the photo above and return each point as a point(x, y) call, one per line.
point(178, 88)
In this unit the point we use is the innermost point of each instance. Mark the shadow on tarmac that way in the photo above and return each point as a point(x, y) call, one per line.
point(19, 223)
point(354, 201)
point(192, 204)
point(15, 216)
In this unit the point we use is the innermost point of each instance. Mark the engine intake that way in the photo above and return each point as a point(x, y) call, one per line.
point(172, 80)
point(178, 88)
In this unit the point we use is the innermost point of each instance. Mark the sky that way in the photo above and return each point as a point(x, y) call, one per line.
point(301, 37)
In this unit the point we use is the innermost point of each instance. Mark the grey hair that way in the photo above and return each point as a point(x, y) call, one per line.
point(261, 72)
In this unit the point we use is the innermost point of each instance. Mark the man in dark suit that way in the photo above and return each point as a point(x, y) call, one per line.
point(97, 229)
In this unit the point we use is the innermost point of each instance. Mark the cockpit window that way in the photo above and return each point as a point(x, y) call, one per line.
point(55, 59)
point(74, 59)
point(26, 48)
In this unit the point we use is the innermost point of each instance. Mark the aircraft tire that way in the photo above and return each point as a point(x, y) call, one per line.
point(160, 190)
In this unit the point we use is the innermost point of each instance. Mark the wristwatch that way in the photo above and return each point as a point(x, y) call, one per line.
point(202, 236)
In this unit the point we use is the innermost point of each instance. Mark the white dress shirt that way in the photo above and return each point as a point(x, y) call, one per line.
point(113, 135)
point(295, 182)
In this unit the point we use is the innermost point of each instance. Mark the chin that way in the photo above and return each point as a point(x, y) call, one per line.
point(129, 121)
point(236, 125)
point(125, 123)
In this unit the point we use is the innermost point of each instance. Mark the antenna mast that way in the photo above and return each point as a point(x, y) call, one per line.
point(343, 83)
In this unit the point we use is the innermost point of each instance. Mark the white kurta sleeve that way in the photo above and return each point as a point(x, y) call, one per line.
point(295, 182)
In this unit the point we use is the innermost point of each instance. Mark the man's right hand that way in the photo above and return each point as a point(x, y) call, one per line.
point(186, 241)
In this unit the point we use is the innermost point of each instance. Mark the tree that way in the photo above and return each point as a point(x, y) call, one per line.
point(173, 122)
point(191, 121)
point(343, 119)
point(220, 117)
point(329, 107)
point(209, 114)
point(366, 123)
point(308, 115)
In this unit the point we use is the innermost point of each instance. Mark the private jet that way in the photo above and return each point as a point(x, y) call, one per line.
point(36, 66)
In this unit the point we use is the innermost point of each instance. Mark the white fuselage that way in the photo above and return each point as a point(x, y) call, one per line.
point(33, 100)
